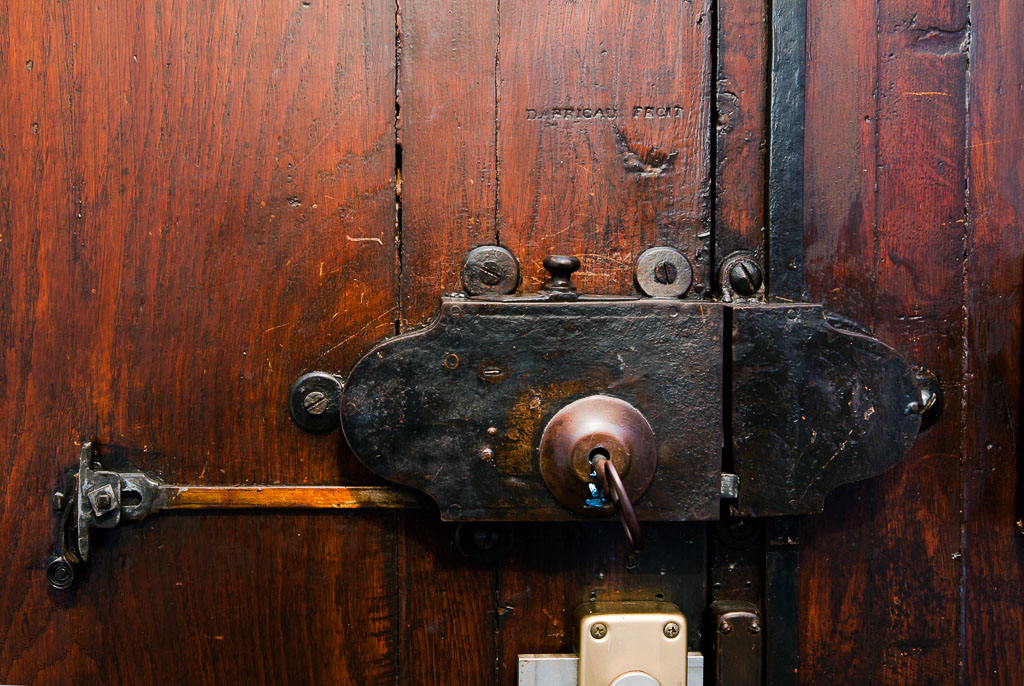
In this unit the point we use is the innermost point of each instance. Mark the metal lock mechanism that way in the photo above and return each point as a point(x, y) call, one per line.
point(555, 406)
point(559, 406)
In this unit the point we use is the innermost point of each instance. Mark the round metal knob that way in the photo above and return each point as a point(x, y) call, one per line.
point(561, 268)
point(594, 427)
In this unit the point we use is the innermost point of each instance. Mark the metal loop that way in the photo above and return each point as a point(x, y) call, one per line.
point(611, 483)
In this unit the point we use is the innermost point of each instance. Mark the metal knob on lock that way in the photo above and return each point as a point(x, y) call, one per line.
point(599, 434)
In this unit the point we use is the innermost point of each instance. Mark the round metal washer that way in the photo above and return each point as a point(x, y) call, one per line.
point(663, 273)
point(490, 270)
point(324, 393)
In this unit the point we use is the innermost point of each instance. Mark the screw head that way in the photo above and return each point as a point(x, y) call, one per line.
point(671, 630)
point(60, 573)
point(490, 270)
point(57, 503)
point(103, 500)
point(663, 272)
point(725, 627)
point(315, 402)
point(754, 629)
point(599, 631)
point(746, 277)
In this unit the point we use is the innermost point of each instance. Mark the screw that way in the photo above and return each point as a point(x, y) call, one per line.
point(745, 276)
point(666, 273)
point(60, 574)
point(491, 272)
point(58, 501)
point(598, 631)
point(315, 402)
point(671, 630)
point(485, 539)
point(487, 454)
point(725, 627)
point(754, 629)
point(103, 500)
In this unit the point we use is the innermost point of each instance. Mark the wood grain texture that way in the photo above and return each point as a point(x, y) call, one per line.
point(554, 568)
point(886, 119)
point(448, 102)
point(604, 135)
point(193, 196)
point(993, 630)
point(741, 127)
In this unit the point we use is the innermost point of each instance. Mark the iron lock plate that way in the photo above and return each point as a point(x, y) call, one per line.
point(457, 410)
point(772, 392)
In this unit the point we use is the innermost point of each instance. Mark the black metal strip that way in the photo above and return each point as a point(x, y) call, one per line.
point(782, 602)
point(786, 151)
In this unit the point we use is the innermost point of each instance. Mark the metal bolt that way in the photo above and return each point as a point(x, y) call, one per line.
point(725, 627)
point(671, 630)
point(58, 501)
point(598, 631)
point(487, 454)
point(59, 573)
point(486, 539)
point(754, 629)
point(491, 272)
point(745, 277)
point(665, 273)
point(315, 403)
point(103, 500)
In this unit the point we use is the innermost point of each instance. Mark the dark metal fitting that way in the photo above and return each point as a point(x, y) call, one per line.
point(314, 400)
point(663, 273)
point(932, 402)
point(741, 275)
point(60, 572)
point(484, 541)
point(561, 269)
point(490, 270)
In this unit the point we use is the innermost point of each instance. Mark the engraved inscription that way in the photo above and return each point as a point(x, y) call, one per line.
point(605, 113)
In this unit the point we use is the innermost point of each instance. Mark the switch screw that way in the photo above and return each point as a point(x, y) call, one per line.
point(745, 277)
point(599, 631)
point(671, 630)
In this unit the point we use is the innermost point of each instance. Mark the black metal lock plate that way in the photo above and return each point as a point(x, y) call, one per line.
point(457, 410)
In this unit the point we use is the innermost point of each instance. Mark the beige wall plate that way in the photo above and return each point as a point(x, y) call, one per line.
point(631, 644)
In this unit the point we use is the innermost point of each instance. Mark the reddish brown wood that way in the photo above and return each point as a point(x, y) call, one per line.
point(881, 581)
point(604, 185)
point(196, 206)
point(448, 100)
point(993, 630)
point(741, 127)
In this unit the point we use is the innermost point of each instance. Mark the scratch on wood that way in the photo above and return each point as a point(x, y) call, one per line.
point(360, 239)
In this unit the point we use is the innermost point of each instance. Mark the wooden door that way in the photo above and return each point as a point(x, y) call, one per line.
point(199, 201)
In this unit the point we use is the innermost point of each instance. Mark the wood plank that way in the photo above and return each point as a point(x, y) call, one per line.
point(741, 127)
point(448, 614)
point(903, 621)
point(193, 196)
point(993, 630)
point(448, 100)
point(448, 169)
point(604, 139)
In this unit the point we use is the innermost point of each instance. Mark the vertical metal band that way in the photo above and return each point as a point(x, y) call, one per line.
point(786, 151)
